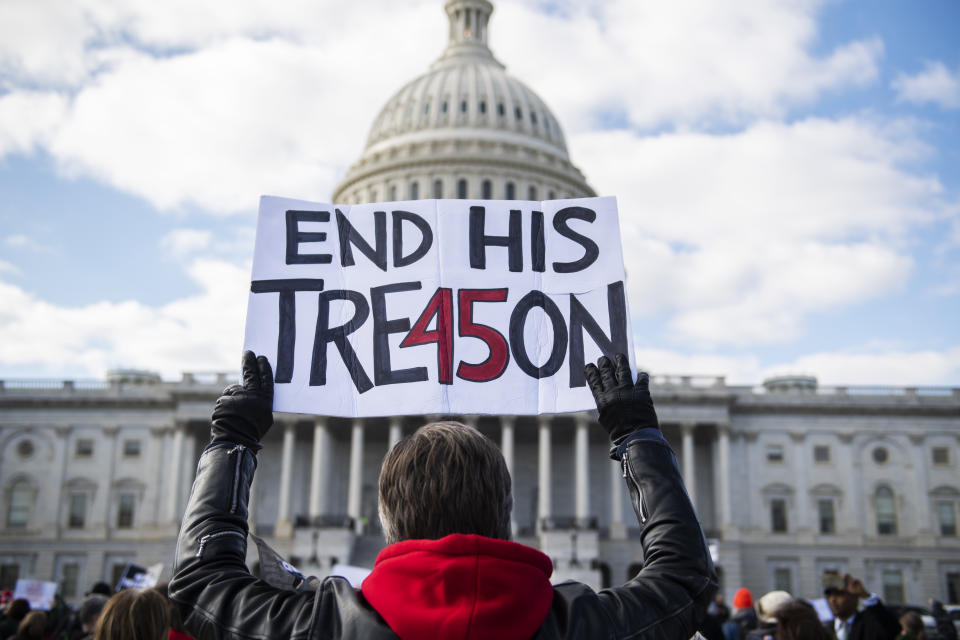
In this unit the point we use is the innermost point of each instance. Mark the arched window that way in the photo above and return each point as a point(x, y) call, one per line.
point(487, 189)
point(886, 511)
point(18, 509)
point(414, 190)
point(462, 189)
point(531, 193)
point(438, 189)
point(511, 191)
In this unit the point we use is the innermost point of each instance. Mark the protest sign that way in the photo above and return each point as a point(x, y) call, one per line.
point(136, 577)
point(39, 593)
point(436, 306)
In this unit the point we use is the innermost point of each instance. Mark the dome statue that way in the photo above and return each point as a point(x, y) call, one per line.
point(464, 129)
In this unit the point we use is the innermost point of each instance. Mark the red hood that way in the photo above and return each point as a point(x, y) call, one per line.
point(462, 586)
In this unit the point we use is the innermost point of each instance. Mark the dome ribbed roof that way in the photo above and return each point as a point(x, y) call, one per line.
point(468, 87)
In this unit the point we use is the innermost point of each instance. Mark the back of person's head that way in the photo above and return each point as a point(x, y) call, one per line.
point(18, 608)
point(134, 614)
point(798, 620)
point(176, 622)
point(913, 623)
point(90, 610)
point(444, 478)
point(102, 588)
point(32, 625)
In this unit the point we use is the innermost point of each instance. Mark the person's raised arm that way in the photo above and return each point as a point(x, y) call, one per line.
point(670, 595)
point(215, 593)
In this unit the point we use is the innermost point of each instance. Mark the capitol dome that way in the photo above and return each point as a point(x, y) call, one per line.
point(464, 129)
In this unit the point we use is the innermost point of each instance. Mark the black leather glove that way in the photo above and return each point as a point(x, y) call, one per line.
point(244, 413)
point(624, 407)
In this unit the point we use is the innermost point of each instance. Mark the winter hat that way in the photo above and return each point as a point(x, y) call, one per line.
point(742, 599)
point(767, 605)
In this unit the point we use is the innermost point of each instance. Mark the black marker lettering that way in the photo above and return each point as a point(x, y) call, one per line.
point(426, 238)
point(590, 250)
point(518, 320)
point(295, 237)
point(287, 333)
point(479, 240)
point(581, 319)
point(382, 328)
point(350, 237)
point(338, 335)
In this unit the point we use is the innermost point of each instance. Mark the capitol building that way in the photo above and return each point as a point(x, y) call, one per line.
point(790, 479)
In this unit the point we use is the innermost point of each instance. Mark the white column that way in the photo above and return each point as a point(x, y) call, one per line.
point(319, 468)
point(396, 432)
point(506, 448)
point(618, 529)
point(544, 506)
point(284, 523)
point(723, 470)
point(581, 465)
point(356, 474)
point(689, 465)
point(176, 466)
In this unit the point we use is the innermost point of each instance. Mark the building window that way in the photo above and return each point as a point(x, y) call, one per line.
point(483, 106)
point(826, 516)
point(941, 456)
point(462, 189)
point(18, 511)
point(546, 123)
point(84, 448)
point(9, 574)
point(821, 453)
point(125, 509)
point(463, 106)
point(886, 512)
point(881, 455)
point(511, 191)
point(25, 448)
point(552, 195)
point(78, 511)
point(775, 453)
point(519, 113)
point(69, 576)
point(131, 448)
point(500, 109)
point(953, 586)
point(782, 580)
point(947, 516)
point(414, 190)
point(533, 118)
point(438, 189)
point(531, 193)
point(892, 585)
point(426, 108)
point(443, 106)
point(778, 515)
point(487, 189)
point(393, 193)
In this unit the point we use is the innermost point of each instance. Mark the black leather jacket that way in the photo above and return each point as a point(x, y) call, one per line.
point(218, 598)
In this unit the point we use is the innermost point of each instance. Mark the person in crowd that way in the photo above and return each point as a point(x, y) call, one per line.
point(87, 615)
point(134, 614)
point(450, 569)
point(16, 611)
point(102, 588)
point(177, 632)
point(767, 607)
point(717, 614)
point(32, 626)
point(945, 627)
point(911, 627)
point(744, 618)
point(798, 620)
point(873, 622)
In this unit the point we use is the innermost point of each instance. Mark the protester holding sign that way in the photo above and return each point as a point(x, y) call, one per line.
point(450, 570)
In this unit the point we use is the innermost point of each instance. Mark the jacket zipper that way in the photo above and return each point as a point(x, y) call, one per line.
point(211, 536)
point(628, 474)
point(235, 498)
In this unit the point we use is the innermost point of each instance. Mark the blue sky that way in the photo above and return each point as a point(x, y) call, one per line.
point(787, 173)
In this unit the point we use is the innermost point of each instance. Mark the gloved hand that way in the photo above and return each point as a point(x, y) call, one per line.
point(244, 412)
point(624, 407)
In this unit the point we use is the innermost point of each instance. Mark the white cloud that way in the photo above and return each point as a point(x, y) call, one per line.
point(935, 84)
point(7, 267)
point(877, 367)
point(687, 62)
point(740, 237)
point(29, 119)
point(201, 332)
point(181, 242)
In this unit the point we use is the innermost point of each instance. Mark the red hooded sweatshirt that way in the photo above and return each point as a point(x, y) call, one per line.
point(462, 587)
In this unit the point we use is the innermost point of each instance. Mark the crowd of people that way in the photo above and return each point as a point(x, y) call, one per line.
point(129, 614)
point(856, 615)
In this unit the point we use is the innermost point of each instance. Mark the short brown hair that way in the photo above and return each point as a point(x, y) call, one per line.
point(32, 625)
point(444, 478)
point(134, 614)
point(798, 620)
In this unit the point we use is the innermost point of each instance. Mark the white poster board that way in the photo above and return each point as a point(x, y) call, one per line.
point(436, 306)
point(39, 593)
